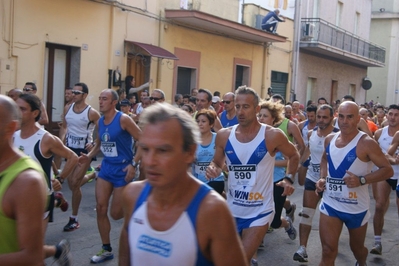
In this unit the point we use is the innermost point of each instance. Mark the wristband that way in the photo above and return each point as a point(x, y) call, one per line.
point(288, 178)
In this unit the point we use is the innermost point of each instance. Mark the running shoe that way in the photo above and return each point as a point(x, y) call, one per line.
point(377, 249)
point(102, 256)
point(301, 255)
point(91, 177)
point(98, 168)
point(254, 262)
point(291, 231)
point(61, 201)
point(65, 258)
point(357, 264)
point(90, 170)
point(71, 225)
point(291, 213)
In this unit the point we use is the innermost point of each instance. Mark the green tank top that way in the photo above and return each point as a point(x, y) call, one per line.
point(284, 127)
point(8, 229)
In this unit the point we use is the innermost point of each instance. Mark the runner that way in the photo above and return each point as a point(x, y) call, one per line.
point(77, 129)
point(345, 171)
point(41, 146)
point(249, 149)
point(381, 190)
point(167, 216)
point(315, 149)
point(23, 196)
point(206, 150)
point(118, 168)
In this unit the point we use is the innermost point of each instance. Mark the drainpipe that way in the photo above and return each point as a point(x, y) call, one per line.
point(264, 70)
point(110, 45)
point(11, 38)
point(297, 35)
point(159, 62)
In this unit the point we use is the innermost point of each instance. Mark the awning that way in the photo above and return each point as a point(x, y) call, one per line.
point(148, 49)
point(215, 25)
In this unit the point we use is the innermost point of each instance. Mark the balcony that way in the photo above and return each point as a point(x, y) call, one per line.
point(327, 40)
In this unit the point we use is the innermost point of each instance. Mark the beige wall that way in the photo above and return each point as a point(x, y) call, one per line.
point(385, 31)
point(216, 59)
point(328, 12)
point(29, 25)
point(325, 71)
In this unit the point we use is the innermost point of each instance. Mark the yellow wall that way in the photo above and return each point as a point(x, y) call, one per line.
point(103, 28)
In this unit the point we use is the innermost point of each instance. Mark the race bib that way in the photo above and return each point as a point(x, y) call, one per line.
point(109, 149)
point(242, 175)
point(200, 168)
point(337, 189)
point(76, 142)
point(316, 168)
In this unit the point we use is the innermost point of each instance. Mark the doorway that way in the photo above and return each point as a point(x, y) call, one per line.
point(58, 74)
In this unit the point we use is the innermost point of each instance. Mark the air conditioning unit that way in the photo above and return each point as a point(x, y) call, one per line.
point(309, 31)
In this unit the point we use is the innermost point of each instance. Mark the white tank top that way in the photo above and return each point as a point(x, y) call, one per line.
point(337, 195)
point(79, 128)
point(305, 131)
point(385, 141)
point(250, 181)
point(31, 146)
point(176, 246)
point(316, 147)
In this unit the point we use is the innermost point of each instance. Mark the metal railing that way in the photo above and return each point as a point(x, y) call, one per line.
point(316, 30)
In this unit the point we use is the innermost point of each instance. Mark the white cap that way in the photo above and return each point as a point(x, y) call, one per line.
point(215, 99)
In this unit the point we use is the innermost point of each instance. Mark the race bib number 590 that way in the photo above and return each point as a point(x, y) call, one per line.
point(243, 175)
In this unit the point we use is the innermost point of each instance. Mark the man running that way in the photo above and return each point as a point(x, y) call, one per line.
point(249, 149)
point(167, 215)
point(315, 149)
point(41, 146)
point(115, 132)
point(381, 190)
point(345, 172)
point(77, 130)
point(228, 117)
point(23, 196)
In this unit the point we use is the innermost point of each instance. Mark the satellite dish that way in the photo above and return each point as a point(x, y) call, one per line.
point(366, 84)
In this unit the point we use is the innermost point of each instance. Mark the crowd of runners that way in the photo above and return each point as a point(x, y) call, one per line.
point(200, 181)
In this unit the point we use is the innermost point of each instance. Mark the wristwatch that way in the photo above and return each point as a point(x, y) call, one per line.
point(289, 178)
point(362, 180)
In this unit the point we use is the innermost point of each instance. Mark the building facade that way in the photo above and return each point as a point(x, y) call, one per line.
point(385, 30)
point(177, 45)
point(335, 51)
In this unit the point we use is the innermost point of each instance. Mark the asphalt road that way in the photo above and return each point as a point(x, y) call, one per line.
point(278, 250)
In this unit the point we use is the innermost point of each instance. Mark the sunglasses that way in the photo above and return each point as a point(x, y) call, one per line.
point(226, 102)
point(76, 92)
point(27, 89)
point(155, 99)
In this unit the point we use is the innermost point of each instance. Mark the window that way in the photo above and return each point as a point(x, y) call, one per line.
point(316, 9)
point(311, 90)
point(352, 90)
point(242, 73)
point(334, 89)
point(186, 80)
point(357, 23)
point(340, 7)
point(279, 82)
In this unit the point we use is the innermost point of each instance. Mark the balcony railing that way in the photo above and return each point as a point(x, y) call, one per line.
point(315, 30)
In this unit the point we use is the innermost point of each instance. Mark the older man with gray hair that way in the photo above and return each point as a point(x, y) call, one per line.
point(157, 96)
